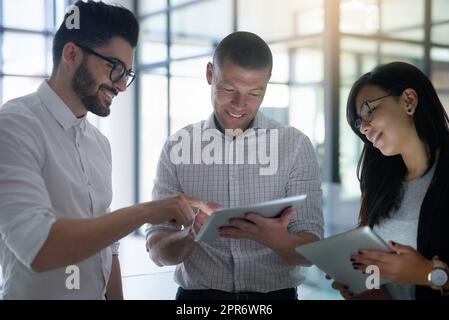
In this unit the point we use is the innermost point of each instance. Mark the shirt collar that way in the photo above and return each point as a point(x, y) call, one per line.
point(58, 109)
point(259, 122)
point(209, 123)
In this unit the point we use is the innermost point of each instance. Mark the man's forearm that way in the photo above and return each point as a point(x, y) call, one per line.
point(168, 248)
point(73, 240)
point(286, 249)
point(114, 290)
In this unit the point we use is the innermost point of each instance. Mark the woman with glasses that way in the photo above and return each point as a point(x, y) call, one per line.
point(404, 179)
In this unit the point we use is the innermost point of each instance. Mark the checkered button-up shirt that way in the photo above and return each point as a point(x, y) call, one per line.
point(234, 179)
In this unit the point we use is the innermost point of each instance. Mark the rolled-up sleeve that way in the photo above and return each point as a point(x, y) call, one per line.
point(304, 178)
point(115, 247)
point(166, 184)
point(26, 215)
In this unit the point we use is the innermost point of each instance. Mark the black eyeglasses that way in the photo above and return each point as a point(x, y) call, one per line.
point(366, 111)
point(118, 70)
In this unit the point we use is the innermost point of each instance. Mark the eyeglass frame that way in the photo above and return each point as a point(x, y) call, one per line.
point(115, 62)
point(360, 120)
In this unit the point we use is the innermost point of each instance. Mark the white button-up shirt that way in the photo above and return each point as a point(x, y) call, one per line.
point(52, 166)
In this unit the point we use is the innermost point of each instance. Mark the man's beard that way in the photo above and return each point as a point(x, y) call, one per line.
point(84, 84)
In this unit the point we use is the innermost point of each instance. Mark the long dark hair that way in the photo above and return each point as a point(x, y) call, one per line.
point(380, 176)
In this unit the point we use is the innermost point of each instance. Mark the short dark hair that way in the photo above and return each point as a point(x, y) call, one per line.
point(380, 176)
point(246, 50)
point(99, 23)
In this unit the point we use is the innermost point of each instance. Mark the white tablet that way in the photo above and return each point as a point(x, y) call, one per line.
point(269, 209)
point(332, 255)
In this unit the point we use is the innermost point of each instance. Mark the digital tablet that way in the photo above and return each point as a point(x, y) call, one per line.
point(269, 209)
point(332, 255)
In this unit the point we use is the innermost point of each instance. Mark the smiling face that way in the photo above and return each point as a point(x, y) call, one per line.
point(91, 81)
point(237, 93)
point(392, 126)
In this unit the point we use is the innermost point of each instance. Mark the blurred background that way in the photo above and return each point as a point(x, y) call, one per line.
point(320, 48)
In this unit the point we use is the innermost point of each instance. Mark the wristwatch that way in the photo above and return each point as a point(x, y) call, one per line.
point(438, 277)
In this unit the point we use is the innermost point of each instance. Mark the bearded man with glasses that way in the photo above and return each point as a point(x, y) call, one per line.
point(55, 168)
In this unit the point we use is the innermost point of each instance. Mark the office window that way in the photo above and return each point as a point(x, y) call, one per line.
point(188, 23)
point(440, 75)
point(17, 14)
point(440, 54)
point(27, 28)
point(440, 9)
point(275, 20)
point(358, 56)
point(14, 87)
point(153, 39)
point(408, 26)
point(306, 108)
point(153, 126)
point(145, 7)
point(359, 17)
point(439, 34)
point(175, 48)
point(394, 51)
point(190, 104)
point(16, 54)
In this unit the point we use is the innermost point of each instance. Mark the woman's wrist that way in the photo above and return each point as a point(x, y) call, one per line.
point(423, 277)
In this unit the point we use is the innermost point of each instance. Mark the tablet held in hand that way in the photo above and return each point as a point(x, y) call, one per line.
point(269, 209)
point(332, 255)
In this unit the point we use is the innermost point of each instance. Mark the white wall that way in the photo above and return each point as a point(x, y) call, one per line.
point(119, 128)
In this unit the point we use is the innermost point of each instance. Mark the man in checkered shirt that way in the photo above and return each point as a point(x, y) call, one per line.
point(255, 257)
